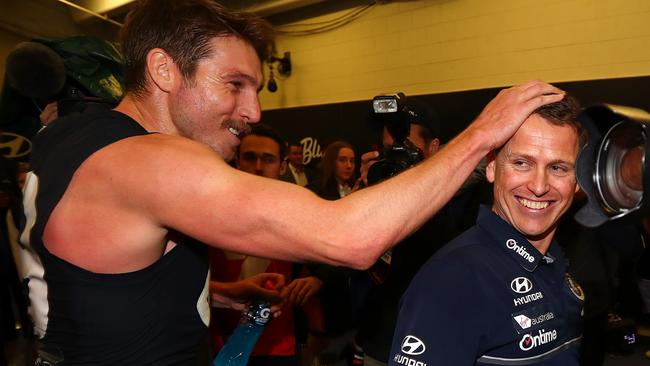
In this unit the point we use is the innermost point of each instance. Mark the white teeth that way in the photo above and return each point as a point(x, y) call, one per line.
point(533, 204)
point(233, 131)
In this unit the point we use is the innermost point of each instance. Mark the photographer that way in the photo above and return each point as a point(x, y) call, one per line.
point(420, 125)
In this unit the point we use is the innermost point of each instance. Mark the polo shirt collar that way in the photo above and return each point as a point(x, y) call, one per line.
point(511, 241)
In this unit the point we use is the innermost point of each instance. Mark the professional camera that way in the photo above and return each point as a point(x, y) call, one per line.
point(612, 169)
point(392, 112)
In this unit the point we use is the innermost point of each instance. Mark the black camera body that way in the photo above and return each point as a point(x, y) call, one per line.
point(394, 159)
point(392, 112)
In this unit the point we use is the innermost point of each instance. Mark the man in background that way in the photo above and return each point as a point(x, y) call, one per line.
point(296, 171)
point(263, 153)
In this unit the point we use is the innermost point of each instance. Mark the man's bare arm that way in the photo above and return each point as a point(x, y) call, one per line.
point(223, 207)
point(279, 220)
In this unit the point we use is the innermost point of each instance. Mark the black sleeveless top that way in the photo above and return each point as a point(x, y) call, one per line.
point(156, 315)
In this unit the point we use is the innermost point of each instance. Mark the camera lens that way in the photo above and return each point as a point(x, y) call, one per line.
point(619, 162)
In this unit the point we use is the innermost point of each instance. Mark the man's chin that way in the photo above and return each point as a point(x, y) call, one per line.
point(228, 154)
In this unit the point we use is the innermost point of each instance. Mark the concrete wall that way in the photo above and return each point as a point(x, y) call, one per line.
point(435, 46)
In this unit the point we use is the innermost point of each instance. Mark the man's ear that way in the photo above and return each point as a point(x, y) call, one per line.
point(161, 69)
point(491, 166)
point(433, 147)
point(283, 167)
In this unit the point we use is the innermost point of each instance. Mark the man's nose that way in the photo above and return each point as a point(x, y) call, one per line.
point(249, 108)
point(538, 183)
point(258, 165)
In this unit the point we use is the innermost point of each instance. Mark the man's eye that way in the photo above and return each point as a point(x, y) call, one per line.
point(249, 157)
point(559, 169)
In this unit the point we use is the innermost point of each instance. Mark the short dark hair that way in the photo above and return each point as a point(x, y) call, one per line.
point(565, 112)
point(184, 29)
point(264, 130)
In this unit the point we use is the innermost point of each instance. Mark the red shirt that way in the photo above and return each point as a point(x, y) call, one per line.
point(278, 338)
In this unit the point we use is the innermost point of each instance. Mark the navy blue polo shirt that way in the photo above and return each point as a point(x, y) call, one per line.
point(490, 298)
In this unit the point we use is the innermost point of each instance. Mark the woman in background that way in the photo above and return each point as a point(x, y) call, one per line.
point(337, 171)
point(344, 290)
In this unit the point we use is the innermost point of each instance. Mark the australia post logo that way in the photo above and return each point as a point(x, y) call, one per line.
point(525, 322)
point(519, 249)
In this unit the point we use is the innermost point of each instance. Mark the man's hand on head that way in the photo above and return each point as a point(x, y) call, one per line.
point(501, 118)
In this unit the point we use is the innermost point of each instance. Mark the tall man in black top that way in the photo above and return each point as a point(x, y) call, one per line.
point(500, 294)
point(114, 198)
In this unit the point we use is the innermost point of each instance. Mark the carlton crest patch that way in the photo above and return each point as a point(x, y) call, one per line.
point(574, 287)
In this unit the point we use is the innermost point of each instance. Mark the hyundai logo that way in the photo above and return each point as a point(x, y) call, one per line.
point(521, 285)
point(413, 346)
point(14, 146)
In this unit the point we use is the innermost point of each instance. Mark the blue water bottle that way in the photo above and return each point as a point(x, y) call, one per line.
point(239, 346)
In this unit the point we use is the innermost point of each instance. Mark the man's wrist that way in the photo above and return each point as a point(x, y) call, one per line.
point(476, 141)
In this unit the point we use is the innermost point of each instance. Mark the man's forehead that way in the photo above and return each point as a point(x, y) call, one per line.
point(259, 144)
point(536, 124)
point(239, 59)
point(532, 145)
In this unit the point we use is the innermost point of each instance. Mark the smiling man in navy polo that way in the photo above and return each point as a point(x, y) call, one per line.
point(500, 294)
